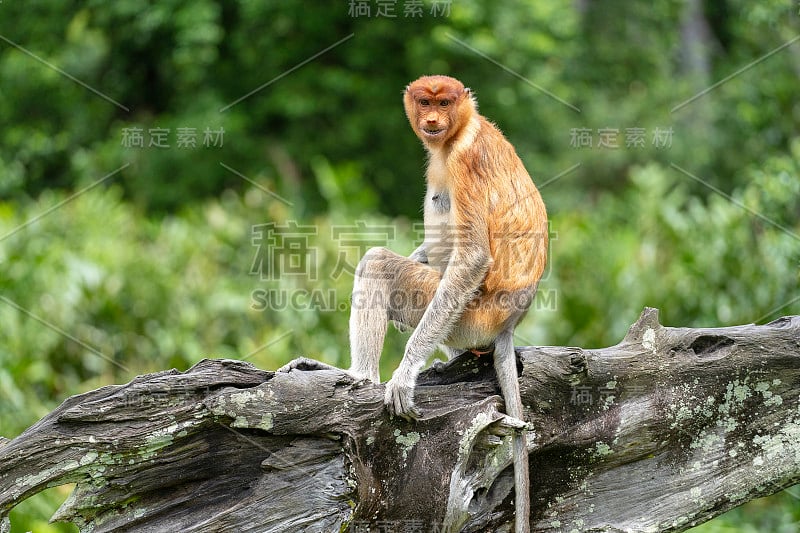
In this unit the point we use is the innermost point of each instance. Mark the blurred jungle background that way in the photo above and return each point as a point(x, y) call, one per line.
point(181, 180)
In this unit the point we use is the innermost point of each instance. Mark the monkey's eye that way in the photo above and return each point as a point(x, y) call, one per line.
point(425, 102)
point(444, 103)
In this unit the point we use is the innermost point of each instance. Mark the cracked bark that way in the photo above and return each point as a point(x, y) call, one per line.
point(663, 431)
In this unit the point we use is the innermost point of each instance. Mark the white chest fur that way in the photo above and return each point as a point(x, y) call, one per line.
point(438, 215)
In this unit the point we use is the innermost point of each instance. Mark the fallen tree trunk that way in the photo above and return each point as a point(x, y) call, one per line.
point(669, 428)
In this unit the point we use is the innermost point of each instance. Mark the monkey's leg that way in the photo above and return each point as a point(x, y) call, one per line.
point(505, 363)
point(387, 287)
point(369, 316)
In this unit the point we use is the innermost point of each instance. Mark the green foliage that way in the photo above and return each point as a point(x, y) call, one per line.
point(163, 263)
point(177, 65)
point(776, 514)
point(703, 262)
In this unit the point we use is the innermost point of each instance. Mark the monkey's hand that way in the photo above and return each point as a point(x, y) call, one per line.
point(399, 398)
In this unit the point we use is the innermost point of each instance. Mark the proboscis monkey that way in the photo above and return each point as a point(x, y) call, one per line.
point(475, 274)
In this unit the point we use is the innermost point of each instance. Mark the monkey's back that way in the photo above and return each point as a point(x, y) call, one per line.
point(496, 194)
point(515, 214)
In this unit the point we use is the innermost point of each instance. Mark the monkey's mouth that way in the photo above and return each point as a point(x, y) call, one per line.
point(433, 132)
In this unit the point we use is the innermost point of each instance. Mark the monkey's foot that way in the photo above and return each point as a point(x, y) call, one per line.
point(305, 364)
point(399, 400)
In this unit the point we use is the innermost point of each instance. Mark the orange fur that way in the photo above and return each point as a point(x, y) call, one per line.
point(485, 247)
point(495, 204)
point(474, 276)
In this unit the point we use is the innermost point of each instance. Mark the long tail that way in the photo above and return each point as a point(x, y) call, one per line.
point(506, 368)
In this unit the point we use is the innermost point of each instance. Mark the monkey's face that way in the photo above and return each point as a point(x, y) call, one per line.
point(433, 105)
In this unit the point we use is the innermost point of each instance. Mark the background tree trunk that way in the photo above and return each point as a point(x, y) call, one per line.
point(665, 430)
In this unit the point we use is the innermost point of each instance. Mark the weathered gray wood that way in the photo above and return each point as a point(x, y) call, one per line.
point(663, 431)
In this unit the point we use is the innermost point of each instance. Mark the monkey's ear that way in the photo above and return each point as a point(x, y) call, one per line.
point(467, 91)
